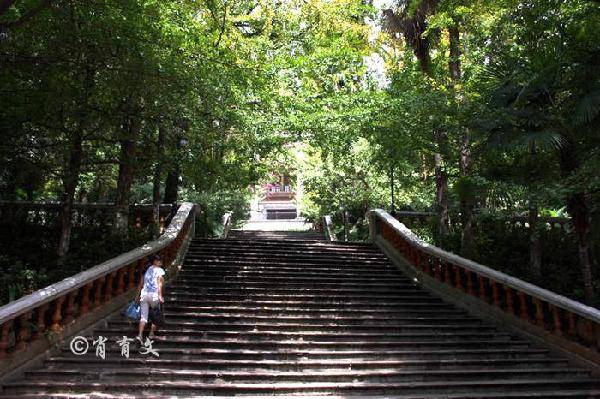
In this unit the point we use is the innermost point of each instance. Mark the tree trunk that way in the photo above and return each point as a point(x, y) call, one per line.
point(454, 62)
point(156, 181)
point(441, 189)
point(392, 207)
point(172, 185)
point(413, 28)
point(70, 181)
point(577, 207)
point(580, 217)
point(11, 183)
point(467, 237)
point(535, 245)
point(125, 180)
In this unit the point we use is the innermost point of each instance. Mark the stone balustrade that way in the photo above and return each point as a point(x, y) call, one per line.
point(567, 323)
point(53, 310)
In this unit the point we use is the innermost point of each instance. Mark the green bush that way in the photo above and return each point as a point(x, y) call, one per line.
point(209, 223)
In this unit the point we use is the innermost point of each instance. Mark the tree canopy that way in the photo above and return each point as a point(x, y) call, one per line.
point(461, 107)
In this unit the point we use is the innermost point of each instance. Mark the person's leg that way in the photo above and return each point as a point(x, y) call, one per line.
point(152, 331)
point(153, 305)
point(144, 305)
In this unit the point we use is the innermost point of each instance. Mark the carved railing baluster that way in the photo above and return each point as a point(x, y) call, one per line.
point(427, 265)
point(508, 296)
point(457, 278)
point(23, 335)
point(540, 309)
point(4, 338)
point(131, 276)
point(556, 319)
point(447, 278)
point(571, 319)
point(120, 281)
point(524, 313)
point(70, 309)
point(495, 294)
point(482, 290)
point(108, 289)
point(57, 315)
point(539, 312)
point(85, 299)
point(98, 292)
point(469, 283)
point(438, 269)
point(40, 325)
point(55, 308)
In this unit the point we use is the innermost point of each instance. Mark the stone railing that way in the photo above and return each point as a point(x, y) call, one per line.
point(518, 221)
point(84, 214)
point(328, 228)
point(29, 324)
point(555, 319)
point(226, 224)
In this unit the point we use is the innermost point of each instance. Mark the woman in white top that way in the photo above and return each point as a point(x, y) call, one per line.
point(151, 294)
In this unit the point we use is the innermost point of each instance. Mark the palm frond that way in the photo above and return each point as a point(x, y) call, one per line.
point(516, 141)
point(545, 140)
point(588, 108)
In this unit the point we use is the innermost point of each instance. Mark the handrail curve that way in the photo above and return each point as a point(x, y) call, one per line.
point(328, 228)
point(76, 295)
point(226, 224)
point(536, 305)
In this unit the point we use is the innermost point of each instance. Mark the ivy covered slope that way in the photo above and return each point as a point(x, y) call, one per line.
point(476, 110)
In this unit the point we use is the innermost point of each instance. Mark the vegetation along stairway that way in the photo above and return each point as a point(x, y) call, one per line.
point(296, 316)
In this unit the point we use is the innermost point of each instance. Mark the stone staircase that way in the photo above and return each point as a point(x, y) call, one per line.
point(278, 314)
point(275, 235)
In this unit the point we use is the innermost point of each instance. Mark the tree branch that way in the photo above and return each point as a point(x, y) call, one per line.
point(27, 16)
point(5, 5)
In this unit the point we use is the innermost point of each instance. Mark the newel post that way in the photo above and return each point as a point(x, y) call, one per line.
point(372, 226)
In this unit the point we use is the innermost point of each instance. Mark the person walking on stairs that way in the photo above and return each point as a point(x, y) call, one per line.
point(150, 295)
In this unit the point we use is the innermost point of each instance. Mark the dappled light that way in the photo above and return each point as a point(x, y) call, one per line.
point(340, 198)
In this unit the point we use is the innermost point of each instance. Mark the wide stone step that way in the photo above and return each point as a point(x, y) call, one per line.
point(295, 326)
point(222, 388)
point(316, 336)
point(439, 318)
point(253, 270)
point(273, 252)
point(319, 312)
point(281, 317)
point(293, 280)
point(300, 257)
point(288, 256)
point(221, 294)
point(321, 289)
point(113, 352)
point(523, 394)
point(299, 265)
point(301, 308)
point(110, 375)
point(298, 365)
point(282, 235)
point(283, 271)
point(161, 342)
point(349, 246)
point(233, 241)
point(309, 304)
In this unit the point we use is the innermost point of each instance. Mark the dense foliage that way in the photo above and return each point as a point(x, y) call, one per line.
point(463, 107)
